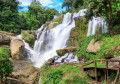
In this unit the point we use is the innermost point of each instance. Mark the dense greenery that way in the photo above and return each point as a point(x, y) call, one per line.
point(66, 72)
point(78, 32)
point(37, 15)
point(6, 67)
point(9, 18)
point(13, 21)
point(82, 45)
point(29, 37)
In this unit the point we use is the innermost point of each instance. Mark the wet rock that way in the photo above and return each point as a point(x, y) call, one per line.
point(52, 25)
point(51, 61)
point(93, 46)
point(62, 52)
point(17, 49)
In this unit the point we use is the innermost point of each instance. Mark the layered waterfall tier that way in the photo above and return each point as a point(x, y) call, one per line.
point(48, 41)
point(96, 25)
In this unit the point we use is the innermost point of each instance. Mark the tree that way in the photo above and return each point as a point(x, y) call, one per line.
point(9, 16)
point(67, 4)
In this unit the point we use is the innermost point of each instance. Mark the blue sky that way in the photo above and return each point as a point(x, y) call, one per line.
point(47, 3)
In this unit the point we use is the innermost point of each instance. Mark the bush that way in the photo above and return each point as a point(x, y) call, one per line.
point(6, 66)
point(82, 45)
point(29, 37)
point(54, 76)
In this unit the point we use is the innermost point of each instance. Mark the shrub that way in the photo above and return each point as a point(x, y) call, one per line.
point(82, 45)
point(6, 66)
point(29, 37)
point(54, 76)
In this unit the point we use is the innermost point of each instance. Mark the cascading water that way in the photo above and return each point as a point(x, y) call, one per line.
point(96, 23)
point(48, 41)
point(51, 40)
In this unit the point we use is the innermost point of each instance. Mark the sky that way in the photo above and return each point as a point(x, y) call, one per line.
point(57, 4)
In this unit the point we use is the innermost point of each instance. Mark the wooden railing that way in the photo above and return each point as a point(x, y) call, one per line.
point(106, 68)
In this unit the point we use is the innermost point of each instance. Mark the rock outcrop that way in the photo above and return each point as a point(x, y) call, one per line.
point(62, 52)
point(58, 19)
point(23, 72)
point(17, 49)
point(52, 25)
point(93, 46)
point(114, 64)
point(4, 39)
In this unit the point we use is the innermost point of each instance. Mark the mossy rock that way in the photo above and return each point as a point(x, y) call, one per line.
point(62, 52)
point(79, 32)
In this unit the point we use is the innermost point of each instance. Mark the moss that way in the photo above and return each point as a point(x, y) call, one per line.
point(62, 52)
point(79, 32)
point(5, 32)
point(29, 37)
point(68, 71)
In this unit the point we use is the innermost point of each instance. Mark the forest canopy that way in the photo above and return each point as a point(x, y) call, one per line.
point(13, 21)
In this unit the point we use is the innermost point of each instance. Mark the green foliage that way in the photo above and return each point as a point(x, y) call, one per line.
point(10, 19)
point(54, 76)
point(82, 45)
point(79, 32)
point(6, 66)
point(4, 53)
point(108, 46)
point(29, 37)
point(67, 72)
point(76, 80)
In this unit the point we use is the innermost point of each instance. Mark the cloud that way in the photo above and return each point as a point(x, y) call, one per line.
point(46, 2)
point(25, 2)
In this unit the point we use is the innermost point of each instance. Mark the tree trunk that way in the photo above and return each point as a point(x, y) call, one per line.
point(110, 22)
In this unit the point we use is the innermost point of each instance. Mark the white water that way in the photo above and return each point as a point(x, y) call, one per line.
point(48, 41)
point(96, 23)
point(51, 40)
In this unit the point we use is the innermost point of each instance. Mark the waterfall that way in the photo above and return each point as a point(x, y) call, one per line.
point(96, 23)
point(48, 41)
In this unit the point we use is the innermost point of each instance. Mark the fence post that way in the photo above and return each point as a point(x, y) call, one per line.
point(96, 70)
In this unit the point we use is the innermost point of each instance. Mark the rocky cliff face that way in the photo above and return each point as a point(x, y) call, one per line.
point(17, 49)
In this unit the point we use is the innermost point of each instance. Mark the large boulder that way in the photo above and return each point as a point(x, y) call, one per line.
point(17, 49)
point(52, 25)
point(113, 64)
point(23, 72)
point(4, 39)
point(93, 46)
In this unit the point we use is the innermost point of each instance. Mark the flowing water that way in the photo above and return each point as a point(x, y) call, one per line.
point(48, 41)
point(96, 25)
